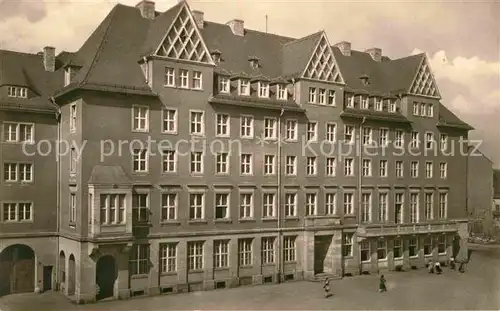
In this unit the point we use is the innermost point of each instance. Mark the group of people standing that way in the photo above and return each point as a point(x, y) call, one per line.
point(436, 267)
point(326, 286)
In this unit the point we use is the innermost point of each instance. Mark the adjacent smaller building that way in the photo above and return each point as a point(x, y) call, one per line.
point(496, 202)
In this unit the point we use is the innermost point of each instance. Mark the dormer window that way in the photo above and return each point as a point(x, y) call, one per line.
point(391, 104)
point(281, 92)
point(350, 101)
point(263, 89)
point(378, 104)
point(224, 84)
point(254, 62)
point(67, 76)
point(17, 91)
point(364, 102)
point(244, 87)
point(216, 56)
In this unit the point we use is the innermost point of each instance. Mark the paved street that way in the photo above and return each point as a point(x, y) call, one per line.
point(478, 288)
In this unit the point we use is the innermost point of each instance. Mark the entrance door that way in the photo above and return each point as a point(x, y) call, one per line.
point(105, 277)
point(47, 278)
point(17, 270)
point(321, 245)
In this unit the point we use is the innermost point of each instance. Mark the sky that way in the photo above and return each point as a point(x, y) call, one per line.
point(461, 38)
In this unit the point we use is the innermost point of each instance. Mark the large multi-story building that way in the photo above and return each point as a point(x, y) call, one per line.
point(197, 155)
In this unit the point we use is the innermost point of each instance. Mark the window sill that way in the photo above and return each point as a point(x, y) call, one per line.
point(169, 133)
point(221, 269)
point(223, 136)
point(292, 218)
point(113, 225)
point(197, 221)
point(246, 267)
point(170, 173)
point(398, 258)
point(140, 131)
point(142, 224)
point(226, 221)
point(271, 264)
point(290, 262)
point(139, 276)
point(195, 271)
point(413, 257)
point(199, 135)
point(222, 174)
point(246, 220)
point(168, 273)
point(270, 219)
point(350, 216)
point(382, 260)
point(170, 223)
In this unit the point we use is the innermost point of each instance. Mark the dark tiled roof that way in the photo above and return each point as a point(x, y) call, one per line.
point(496, 184)
point(108, 175)
point(296, 54)
point(449, 119)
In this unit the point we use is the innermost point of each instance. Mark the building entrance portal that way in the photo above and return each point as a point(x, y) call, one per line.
point(105, 277)
point(322, 243)
point(17, 270)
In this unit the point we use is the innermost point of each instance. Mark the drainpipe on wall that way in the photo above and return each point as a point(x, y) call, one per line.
point(280, 234)
point(360, 182)
point(58, 185)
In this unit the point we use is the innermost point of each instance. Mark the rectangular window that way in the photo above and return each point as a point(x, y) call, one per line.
point(244, 87)
point(291, 130)
point(169, 158)
point(196, 162)
point(264, 89)
point(267, 251)
point(281, 93)
point(197, 123)
point(291, 166)
point(246, 205)
point(10, 212)
point(350, 101)
point(140, 208)
point(443, 142)
point(197, 80)
point(221, 254)
point(399, 168)
point(195, 255)
point(246, 164)
point(382, 206)
point(184, 78)
point(415, 140)
point(11, 91)
point(322, 96)
point(26, 132)
point(169, 121)
point(221, 206)
point(222, 125)
point(331, 132)
point(367, 167)
point(443, 170)
point(72, 117)
point(245, 252)
point(246, 126)
point(168, 257)
point(429, 205)
point(72, 208)
point(141, 118)
point(25, 172)
point(443, 205)
point(367, 136)
point(414, 169)
point(348, 203)
point(269, 164)
point(222, 163)
point(366, 207)
point(430, 110)
point(113, 209)
point(311, 204)
point(398, 208)
point(312, 131)
point(392, 105)
point(427, 246)
point(365, 104)
point(349, 167)
point(290, 204)
point(289, 249)
point(10, 132)
point(429, 140)
point(169, 204)
point(331, 166)
point(331, 98)
point(24, 211)
point(414, 206)
point(139, 259)
point(312, 95)
point(442, 244)
point(196, 206)
point(413, 247)
point(383, 168)
point(381, 249)
point(399, 140)
point(347, 239)
point(269, 128)
point(140, 160)
point(349, 134)
point(428, 169)
point(311, 166)
point(169, 76)
point(330, 203)
point(422, 109)
point(416, 108)
point(73, 161)
point(365, 250)
point(378, 104)
point(268, 207)
point(224, 85)
point(383, 137)
point(397, 249)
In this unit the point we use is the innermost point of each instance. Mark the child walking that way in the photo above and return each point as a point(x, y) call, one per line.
point(326, 287)
point(381, 286)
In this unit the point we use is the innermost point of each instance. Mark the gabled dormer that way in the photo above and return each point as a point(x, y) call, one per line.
point(261, 85)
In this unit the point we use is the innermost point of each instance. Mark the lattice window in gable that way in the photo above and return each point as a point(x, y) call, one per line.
point(424, 83)
point(183, 41)
point(322, 65)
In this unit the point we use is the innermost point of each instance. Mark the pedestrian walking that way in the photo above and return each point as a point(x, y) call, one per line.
point(381, 285)
point(452, 263)
point(438, 268)
point(430, 267)
point(461, 267)
point(326, 287)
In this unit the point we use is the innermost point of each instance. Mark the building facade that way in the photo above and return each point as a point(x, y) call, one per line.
point(200, 155)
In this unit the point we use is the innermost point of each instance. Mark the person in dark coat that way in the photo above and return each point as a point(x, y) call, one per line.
point(452, 263)
point(430, 266)
point(381, 286)
point(326, 287)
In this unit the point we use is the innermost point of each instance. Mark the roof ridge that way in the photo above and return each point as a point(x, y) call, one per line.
point(19, 52)
point(99, 48)
point(304, 38)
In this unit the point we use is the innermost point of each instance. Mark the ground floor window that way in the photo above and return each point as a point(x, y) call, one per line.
point(381, 249)
point(427, 245)
point(413, 247)
point(268, 250)
point(347, 245)
point(289, 249)
point(442, 244)
point(365, 250)
point(245, 252)
point(139, 259)
point(195, 255)
point(168, 257)
point(398, 249)
point(221, 254)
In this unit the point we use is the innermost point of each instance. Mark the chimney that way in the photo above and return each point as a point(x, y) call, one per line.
point(344, 47)
point(147, 9)
point(375, 53)
point(237, 27)
point(49, 58)
point(198, 18)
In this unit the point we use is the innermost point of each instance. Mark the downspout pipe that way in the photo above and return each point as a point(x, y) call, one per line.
point(360, 183)
point(279, 171)
point(58, 186)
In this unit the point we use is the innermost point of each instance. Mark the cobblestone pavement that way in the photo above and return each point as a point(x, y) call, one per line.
point(478, 288)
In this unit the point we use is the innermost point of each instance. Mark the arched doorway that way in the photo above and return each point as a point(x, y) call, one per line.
point(17, 269)
point(62, 271)
point(71, 275)
point(105, 276)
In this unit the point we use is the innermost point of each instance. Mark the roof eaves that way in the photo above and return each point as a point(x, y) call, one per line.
point(255, 103)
